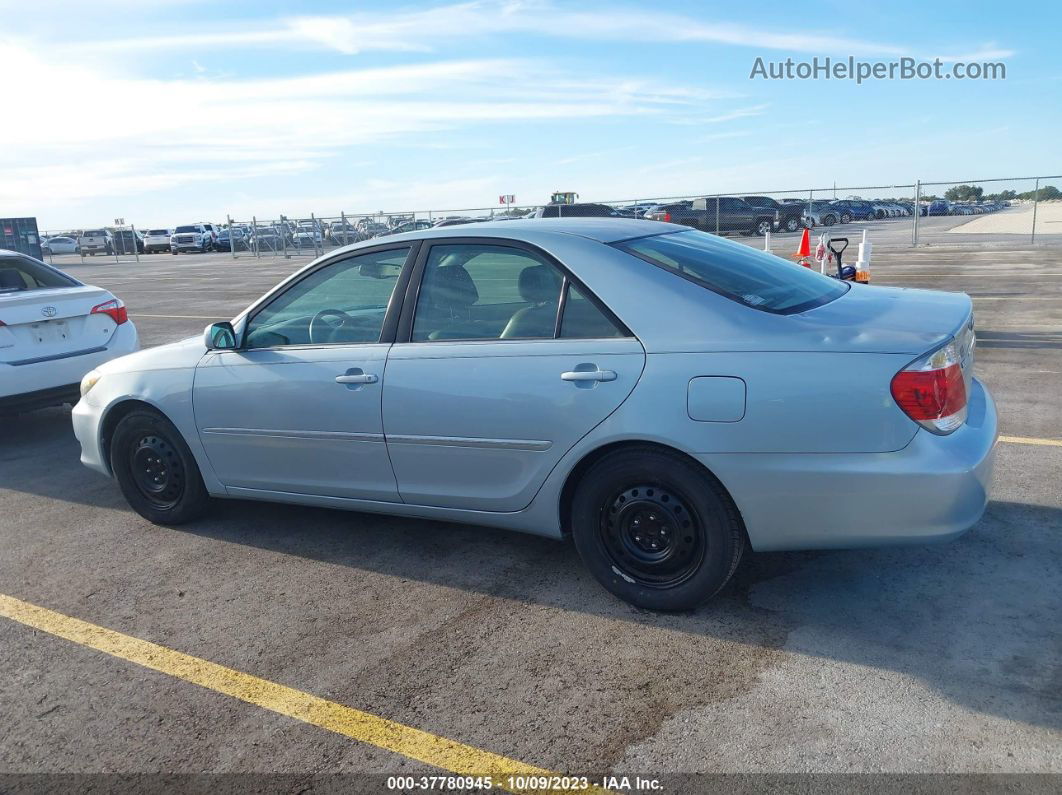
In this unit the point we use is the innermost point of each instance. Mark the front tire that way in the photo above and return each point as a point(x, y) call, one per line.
point(155, 469)
point(655, 529)
point(846, 218)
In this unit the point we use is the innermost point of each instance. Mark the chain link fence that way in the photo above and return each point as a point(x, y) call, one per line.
point(1001, 211)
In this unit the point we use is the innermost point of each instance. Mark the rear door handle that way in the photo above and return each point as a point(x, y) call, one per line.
point(357, 378)
point(589, 375)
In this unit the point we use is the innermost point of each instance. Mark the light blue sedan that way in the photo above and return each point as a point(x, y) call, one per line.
point(662, 396)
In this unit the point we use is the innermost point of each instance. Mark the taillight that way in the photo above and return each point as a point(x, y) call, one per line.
point(932, 391)
point(114, 309)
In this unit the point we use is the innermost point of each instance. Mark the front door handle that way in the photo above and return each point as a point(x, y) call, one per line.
point(589, 375)
point(357, 378)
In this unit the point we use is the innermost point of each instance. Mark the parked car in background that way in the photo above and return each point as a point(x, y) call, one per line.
point(849, 210)
point(126, 241)
point(654, 393)
point(788, 217)
point(939, 207)
point(412, 226)
point(371, 229)
point(55, 329)
point(584, 210)
point(266, 238)
point(728, 213)
point(157, 241)
point(232, 239)
point(342, 232)
point(60, 245)
point(306, 233)
point(96, 241)
point(191, 237)
point(821, 213)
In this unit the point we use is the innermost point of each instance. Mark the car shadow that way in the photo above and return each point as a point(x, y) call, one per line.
point(975, 619)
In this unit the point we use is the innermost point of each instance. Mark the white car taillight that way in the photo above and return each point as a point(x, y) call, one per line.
point(932, 390)
point(114, 309)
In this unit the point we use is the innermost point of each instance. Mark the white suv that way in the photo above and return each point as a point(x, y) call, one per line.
point(192, 237)
point(157, 240)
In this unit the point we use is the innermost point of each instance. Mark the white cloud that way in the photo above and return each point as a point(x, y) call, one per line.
point(219, 132)
point(425, 29)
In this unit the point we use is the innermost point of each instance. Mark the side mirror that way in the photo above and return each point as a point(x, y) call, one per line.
point(219, 336)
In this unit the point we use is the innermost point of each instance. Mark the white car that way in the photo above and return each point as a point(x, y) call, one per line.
point(157, 240)
point(53, 330)
point(60, 245)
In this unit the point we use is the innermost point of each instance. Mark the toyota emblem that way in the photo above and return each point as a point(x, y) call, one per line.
point(48, 311)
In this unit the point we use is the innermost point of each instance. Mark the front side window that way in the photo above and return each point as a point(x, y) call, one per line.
point(342, 303)
point(743, 274)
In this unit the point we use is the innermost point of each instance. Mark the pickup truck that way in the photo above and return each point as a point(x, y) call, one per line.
point(96, 241)
point(790, 216)
point(192, 237)
point(732, 215)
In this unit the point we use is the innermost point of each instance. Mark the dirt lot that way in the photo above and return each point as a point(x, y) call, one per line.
point(942, 659)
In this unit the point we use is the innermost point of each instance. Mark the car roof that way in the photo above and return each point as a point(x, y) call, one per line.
point(603, 230)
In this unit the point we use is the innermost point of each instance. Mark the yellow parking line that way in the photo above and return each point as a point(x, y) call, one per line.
point(440, 752)
point(1031, 440)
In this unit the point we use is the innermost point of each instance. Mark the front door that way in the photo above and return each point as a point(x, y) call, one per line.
point(506, 364)
point(297, 408)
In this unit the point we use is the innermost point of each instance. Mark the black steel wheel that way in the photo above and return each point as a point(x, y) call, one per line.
point(655, 528)
point(651, 535)
point(155, 469)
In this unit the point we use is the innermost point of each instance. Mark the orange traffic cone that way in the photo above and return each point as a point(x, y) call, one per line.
point(804, 251)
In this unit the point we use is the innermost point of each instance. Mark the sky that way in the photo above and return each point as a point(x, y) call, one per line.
point(177, 111)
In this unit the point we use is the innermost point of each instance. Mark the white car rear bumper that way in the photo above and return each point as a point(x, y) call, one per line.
point(19, 383)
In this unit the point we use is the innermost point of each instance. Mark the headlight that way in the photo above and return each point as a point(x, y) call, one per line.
point(90, 380)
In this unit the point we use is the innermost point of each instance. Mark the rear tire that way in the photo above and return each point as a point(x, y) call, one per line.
point(655, 529)
point(792, 224)
point(846, 218)
point(155, 469)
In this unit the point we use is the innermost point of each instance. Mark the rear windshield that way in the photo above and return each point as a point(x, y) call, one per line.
point(95, 233)
point(740, 273)
point(159, 232)
point(18, 273)
point(187, 229)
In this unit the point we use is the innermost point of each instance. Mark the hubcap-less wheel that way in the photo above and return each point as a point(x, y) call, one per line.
point(157, 471)
point(652, 537)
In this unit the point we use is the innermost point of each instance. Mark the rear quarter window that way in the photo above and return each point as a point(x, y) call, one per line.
point(750, 277)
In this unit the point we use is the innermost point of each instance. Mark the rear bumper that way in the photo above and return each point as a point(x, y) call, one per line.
point(17, 382)
point(934, 489)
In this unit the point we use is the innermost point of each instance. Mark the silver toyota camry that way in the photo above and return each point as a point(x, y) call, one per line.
point(662, 396)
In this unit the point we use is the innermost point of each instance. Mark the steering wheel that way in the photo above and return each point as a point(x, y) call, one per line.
point(318, 326)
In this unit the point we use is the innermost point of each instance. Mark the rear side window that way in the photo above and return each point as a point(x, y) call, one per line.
point(17, 274)
point(740, 273)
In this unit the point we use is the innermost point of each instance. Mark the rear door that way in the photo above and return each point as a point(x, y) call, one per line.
point(486, 389)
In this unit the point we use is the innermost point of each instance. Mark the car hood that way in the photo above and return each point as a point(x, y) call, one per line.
point(173, 356)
